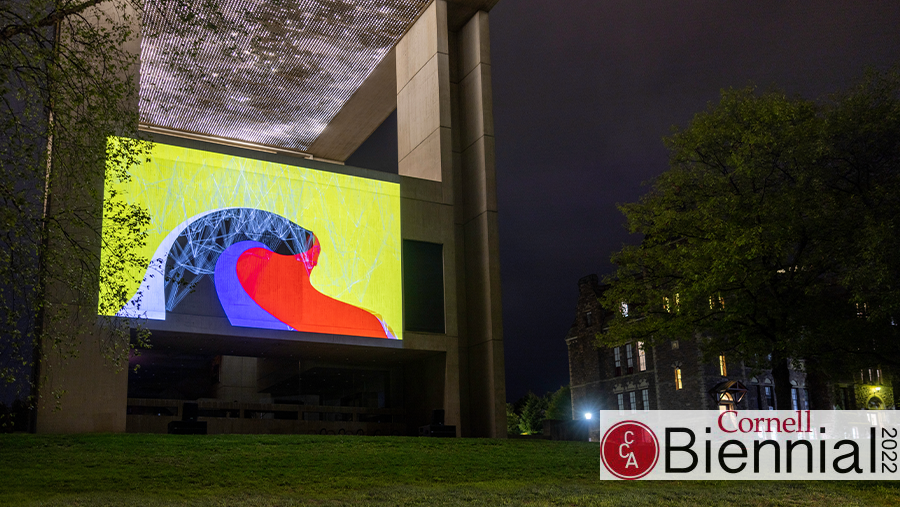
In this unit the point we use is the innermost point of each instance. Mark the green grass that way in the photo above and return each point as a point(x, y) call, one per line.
point(269, 470)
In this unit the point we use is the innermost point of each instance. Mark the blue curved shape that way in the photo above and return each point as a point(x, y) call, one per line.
point(240, 308)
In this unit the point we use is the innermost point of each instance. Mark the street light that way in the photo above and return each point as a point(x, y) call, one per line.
point(588, 415)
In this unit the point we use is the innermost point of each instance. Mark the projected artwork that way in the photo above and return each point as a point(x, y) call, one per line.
point(266, 245)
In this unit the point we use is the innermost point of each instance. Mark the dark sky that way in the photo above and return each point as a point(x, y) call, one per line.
point(585, 90)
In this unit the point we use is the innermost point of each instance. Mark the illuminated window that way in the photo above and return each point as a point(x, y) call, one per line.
point(666, 305)
point(624, 309)
point(632, 400)
point(862, 377)
point(871, 377)
point(678, 378)
point(645, 395)
point(629, 359)
point(861, 310)
point(716, 302)
point(642, 357)
point(674, 344)
point(617, 354)
point(621, 399)
point(723, 370)
point(878, 375)
point(795, 399)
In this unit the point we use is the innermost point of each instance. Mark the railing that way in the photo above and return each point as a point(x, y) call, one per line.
point(153, 416)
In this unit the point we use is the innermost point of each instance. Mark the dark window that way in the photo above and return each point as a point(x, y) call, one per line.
point(617, 354)
point(629, 358)
point(589, 319)
point(770, 398)
point(423, 286)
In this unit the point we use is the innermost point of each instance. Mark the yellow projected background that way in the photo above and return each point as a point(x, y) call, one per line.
point(356, 220)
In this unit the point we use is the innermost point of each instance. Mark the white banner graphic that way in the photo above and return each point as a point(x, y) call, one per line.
point(749, 445)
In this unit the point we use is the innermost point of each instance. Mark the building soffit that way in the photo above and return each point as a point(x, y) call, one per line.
point(309, 76)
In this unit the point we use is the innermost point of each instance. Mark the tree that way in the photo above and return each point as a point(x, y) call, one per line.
point(772, 227)
point(560, 404)
point(70, 83)
point(512, 420)
point(531, 420)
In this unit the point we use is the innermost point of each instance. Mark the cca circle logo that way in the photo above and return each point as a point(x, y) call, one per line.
point(629, 450)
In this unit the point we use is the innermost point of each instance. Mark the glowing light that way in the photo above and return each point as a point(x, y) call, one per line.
point(204, 207)
point(588, 416)
point(259, 64)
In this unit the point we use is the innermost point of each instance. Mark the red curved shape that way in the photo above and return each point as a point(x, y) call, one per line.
point(280, 285)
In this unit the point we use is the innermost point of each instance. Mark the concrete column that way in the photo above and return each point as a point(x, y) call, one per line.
point(238, 377)
point(446, 154)
point(478, 219)
point(84, 392)
point(423, 97)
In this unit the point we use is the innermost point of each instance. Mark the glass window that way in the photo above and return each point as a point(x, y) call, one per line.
point(624, 309)
point(878, 375)
point(723, 370)
point(617, 355)
point(629, 358)
point(770, 398)
point(642, 357)
point(871, 378)
point(589, 319)
point(645, 398)
point(674, 344)
point(678, 378)
point(621, 399)
point(632, 401)
point(795, 399)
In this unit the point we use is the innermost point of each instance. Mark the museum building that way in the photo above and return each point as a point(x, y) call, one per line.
point(287, 291)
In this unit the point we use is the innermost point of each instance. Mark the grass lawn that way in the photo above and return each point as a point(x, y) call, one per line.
point(269, 470)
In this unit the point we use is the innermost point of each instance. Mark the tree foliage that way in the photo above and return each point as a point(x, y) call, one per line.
point(772, 235)
point(70, 82)
point(534, 410)
point(560, 404)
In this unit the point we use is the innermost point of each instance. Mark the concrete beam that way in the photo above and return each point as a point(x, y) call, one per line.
point(372, 103)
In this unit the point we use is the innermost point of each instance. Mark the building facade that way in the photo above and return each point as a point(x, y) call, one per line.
point(282, 377)
point(674, 376)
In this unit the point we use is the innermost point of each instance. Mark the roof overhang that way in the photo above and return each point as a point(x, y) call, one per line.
point(312, 77)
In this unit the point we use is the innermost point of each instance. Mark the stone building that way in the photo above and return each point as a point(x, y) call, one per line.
point(674, 376)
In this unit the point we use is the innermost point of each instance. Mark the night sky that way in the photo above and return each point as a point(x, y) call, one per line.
point(584, 92)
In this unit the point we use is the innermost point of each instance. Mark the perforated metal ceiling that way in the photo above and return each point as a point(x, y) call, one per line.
point(273, 72)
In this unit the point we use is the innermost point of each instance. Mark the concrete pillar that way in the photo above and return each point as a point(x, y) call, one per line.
point(423, 97)
point(81, 390)
point(445, 137)
point(484, 336)
point(238, 378)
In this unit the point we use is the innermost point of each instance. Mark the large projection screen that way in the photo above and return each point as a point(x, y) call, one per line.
point(262, 244)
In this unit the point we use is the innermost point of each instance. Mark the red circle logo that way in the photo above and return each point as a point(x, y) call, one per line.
point(629, 450)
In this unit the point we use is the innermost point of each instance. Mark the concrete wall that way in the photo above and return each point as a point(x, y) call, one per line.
point(442, 79)
point(448, 191)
